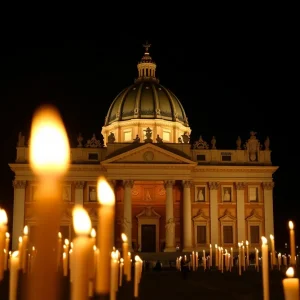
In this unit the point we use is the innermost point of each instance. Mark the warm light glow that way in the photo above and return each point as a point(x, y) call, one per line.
point(264, 240)
point(15, 254)
point(49, 149)
point(124, 237)
point(247, 243)
point(239, 244)
point(290, 272)
point(121, 260)
point(271, 237)
point(7, 235)
point(81, 221)
point(59, 235)
point(3, 217)
point(291, 225)
point(20, 239)
point(114, 255)
point(95, 247)
point(25, 230)
point(137, 258)
point(93, 233)
point(106, 195)
point(67, 242)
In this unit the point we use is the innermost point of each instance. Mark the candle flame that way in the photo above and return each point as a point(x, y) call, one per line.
point(247, 243)
point(124, 237)
point(15, 254)
point(271, 237)
point(20, 239)
point(49, 149)
point(137, 258)
point(7, 235)
point(67, 242)
point(121, 260)
point(81, 221)
point(290, 272)
point(93, 233)
point(25, 230)
point(3, 217)
point(264, 240)
point(291, 225)
point(105, 193)
point(59, 235)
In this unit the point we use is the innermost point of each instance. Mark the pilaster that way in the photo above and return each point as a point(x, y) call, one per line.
point(214, 223)
point(18, 212)
point(79, 185)
point(268, 208)
point(187, 217)
point(240, 210)
point(170, 223)
point(127, 215)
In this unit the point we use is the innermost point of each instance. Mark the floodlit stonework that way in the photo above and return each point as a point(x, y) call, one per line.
point(169, 193)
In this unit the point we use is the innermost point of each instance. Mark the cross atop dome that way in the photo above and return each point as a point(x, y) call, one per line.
point(147, 46)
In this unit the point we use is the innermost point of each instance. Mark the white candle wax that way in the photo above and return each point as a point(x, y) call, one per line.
point(265, 268)
point(13, 278)
point(291, 286)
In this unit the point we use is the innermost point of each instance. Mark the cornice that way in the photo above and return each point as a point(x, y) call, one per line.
point(147, 166)
point(231, 169)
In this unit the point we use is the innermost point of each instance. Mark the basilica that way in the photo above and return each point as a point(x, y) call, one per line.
point(171, 195)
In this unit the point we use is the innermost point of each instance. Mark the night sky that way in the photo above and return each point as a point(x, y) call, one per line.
point(229, 83)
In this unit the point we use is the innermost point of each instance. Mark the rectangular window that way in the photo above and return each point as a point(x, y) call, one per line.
point(127, 136)
point(166, 136)
point(201, 157)
point(228, 234)
point(253, 194)
point(226, 157)
point(254, 234)
point(201, 234)
point(93, 156)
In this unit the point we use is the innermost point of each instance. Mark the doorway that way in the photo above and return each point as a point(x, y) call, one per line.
point(148, 238)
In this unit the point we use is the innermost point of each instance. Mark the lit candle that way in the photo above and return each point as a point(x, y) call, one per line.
point(216, 256)
point(59, 249)
point(292, 243)
point(240, 259)
point(256, 260)
point(273, 250)
point(106, 198)
point(125, 254)
point(265, 267)
point(13, 277)
point(291, 286)
point(137, 270)
point(6, 251)
point(49, 155)
point(82, 245)
point(210, 255)
point(24, 249)
point(3, 229)
point(247, 254)
point(113, 275)
point(121, 271)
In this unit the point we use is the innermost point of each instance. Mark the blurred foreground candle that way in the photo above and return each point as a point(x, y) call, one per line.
point(273, 250)
point(240, 259)
point(106, 198)
point(292, 243)
point(3, 229)
point(291, 286)
point(137, 276)
point(24, 249)
point(265, 267)
point(49, 154)
point(7, 238)
point(13, 277)
point(82, 245)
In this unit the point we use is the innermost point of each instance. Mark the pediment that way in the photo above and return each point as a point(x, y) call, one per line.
point(200, 216)
point(149, 154)
point(227, 216)
point(254, 216)
point(148, 213)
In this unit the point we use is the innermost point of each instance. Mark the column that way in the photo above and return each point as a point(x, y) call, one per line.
point(240, 211)
point(268, 208)
point(214, 220)
point(78, 192)
point(18, 212)
point(127, 216)
point(170, 223)
point(187, 217)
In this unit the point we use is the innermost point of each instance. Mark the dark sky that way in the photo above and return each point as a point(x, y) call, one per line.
point(229, 82)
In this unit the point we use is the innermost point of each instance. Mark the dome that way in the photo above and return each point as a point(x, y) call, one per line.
point(146, 104)
point(146, 99)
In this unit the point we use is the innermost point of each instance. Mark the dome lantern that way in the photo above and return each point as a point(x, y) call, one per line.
point(146, 67)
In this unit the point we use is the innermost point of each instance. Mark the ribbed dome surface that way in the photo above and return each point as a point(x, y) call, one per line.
point(146, 99)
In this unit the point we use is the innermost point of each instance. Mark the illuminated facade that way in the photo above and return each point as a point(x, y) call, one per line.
point(169, 193)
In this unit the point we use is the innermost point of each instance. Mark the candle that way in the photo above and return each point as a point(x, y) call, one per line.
point(24, 249)
point(137, 271)
point(210, 255)
point(3, 229)
point(240, 259)
point(49, 155)
point(125, 254)
point(273, 250)
point(121, 271)
point(13, 277)
point(6, 250)
point(82, 245)
point(247, 254)
point(256, 260)
point(292, 243)
point(216, 256)
point(59, 249)
point(113, 275)
point(265, 267)
point(291, 286)
point(106, 198)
